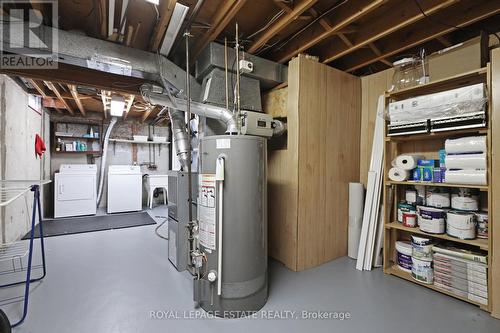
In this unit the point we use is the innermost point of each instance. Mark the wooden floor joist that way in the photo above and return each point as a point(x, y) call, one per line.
point(343, 16)
point(381, 26)
point(280, 24)
point(57, 92)
point(461, 15)
point(76, 98)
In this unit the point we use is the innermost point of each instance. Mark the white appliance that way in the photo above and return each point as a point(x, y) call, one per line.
point(124, 188)
point(75, 190)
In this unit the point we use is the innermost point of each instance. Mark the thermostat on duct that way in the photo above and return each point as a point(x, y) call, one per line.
point(246, 66)
point(256, 123)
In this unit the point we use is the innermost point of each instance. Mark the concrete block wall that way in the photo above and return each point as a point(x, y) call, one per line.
point(120, 153)
point(18, 126)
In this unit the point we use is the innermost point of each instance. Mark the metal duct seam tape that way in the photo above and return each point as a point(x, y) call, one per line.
point(461, 225)
point(431, 220)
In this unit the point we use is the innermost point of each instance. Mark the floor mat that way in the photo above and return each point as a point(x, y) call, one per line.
point(77, 225)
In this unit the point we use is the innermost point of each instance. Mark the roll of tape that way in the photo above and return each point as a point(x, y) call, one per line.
point(438, 197)
point(431, 220)
point(465, 199)
point(482, 225)
point(461, 225)
point(398, 175)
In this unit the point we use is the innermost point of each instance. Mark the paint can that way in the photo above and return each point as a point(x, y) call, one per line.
point(421, 248)
point(411, 196)
point(422, 271)
point(438, 197)
point(410, 219)
point(402, 208)
point(482, 225)
point(404, 251)
point(460, 224)
point(465, 199)
point(432, 220)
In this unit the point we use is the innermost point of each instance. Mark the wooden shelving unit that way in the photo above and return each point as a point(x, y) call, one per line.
point(78, 136)
point(428, 145)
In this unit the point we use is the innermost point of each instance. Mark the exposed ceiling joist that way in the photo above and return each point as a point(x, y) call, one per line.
point(54, 103)
point(76, 98)
point(102, 6)
point(166, 9)
point(461, 15)
point(57, 92)
point(147, 113)
point(39, 86)
point(280, 24)
point(375, 50)
point(342, 17)
point(224, 14)
point(403, 15)
point(106, 102)
point(443, 40)
point(128, 106)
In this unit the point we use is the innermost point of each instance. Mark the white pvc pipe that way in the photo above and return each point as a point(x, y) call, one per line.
point(104, 156)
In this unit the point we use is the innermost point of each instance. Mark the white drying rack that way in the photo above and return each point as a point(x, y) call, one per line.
point(10, 190)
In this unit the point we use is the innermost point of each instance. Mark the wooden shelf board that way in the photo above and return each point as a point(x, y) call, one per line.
point(394, 270)
point(463, 79)
point(140, 142)
point(436, 135)
point(75, 137)
point(483, 244)
point(410, 183)
point(78, 152)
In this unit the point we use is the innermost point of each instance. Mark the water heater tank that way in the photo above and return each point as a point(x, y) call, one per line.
point(233, 282)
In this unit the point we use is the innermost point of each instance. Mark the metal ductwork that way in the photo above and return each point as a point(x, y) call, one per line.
point(180, 135)
point(152, 95)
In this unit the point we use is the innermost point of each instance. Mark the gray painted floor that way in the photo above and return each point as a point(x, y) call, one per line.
point(110, 281)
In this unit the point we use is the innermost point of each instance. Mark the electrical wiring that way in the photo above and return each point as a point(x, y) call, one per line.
point(271, 21)
point(158, 227)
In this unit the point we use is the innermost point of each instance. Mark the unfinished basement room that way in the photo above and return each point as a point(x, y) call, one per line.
point(253, 166)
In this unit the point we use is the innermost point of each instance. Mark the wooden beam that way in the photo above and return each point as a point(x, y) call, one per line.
point(342, 17)
point(102, 6)
point(56, 91)
point(106, 102)
point(345, 40)
point(224, 14)
point(381, 26)
point(444, 41)
point(39, 86)
point(76, 98)
point(130, 101)
point(280, 24)
point(378, 53)
point(48, 102)
point(166, 9)
point(463, 14)
point(147, 113)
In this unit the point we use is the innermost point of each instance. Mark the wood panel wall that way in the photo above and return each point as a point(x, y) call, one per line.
point(308, 182)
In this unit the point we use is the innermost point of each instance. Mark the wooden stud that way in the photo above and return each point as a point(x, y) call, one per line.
point(166, 9)
point(377, 52)
point(344, 16)
point(280, 24)
point(381, 26)
point(76, 98)
point(460, 15)
point(224, 15)
point(56, 91)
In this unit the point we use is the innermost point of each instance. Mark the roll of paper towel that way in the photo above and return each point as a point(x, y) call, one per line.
point(407, 162)
point(466, 177)
point(398, 175)
point(466, 161)
point(470, 144)
point(356, 205)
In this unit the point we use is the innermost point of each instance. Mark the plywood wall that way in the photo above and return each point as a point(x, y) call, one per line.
point(308, 181)
point(463, 58)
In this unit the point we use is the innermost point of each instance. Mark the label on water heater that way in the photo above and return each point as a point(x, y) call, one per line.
point(223, 143)
point(206, 210)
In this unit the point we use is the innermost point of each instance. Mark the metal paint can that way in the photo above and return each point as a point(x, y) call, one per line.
point(438, 197)
point(402, 208)
point(410, 219)
point(461, 224)
point(465, 199)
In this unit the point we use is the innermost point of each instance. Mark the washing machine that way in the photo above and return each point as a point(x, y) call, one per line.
point(75, 190)
point(124, 188)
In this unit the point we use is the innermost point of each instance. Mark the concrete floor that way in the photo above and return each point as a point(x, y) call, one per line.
point(111, 281)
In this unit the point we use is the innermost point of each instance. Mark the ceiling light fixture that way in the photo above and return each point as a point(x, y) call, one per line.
point(154, 2)
point(117, 105)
